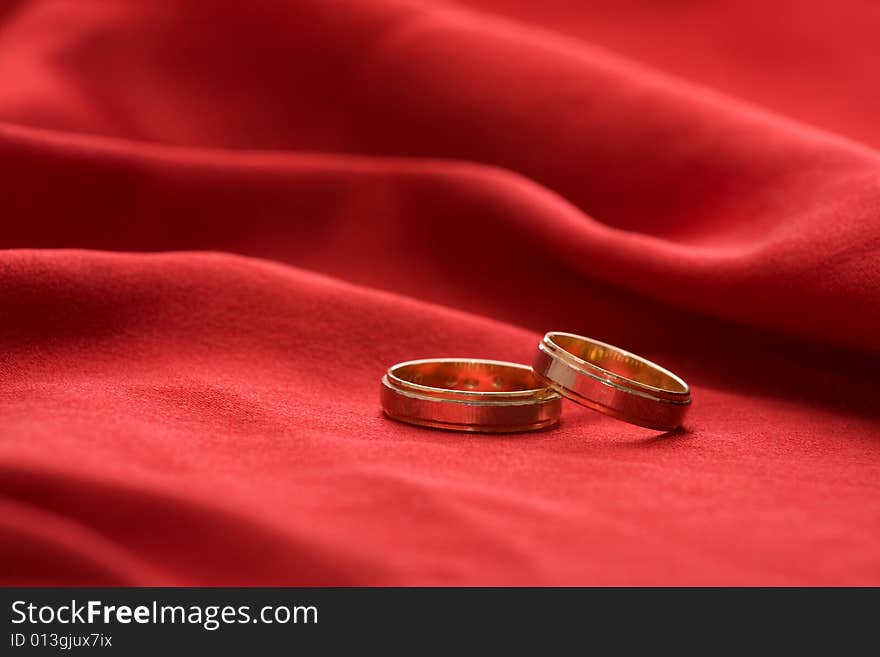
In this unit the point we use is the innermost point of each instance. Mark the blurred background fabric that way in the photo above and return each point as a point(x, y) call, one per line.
point(222, 221)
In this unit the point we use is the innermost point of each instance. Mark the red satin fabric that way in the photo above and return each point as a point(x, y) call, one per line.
point(224, 220)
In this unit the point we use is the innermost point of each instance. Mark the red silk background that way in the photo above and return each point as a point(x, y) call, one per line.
point(222, 221)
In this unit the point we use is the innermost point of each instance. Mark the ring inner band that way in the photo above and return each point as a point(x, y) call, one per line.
point(620, 362)
point(468, 376)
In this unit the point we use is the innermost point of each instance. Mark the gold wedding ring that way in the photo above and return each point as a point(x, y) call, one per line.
point(463, 394)
point(612, 381)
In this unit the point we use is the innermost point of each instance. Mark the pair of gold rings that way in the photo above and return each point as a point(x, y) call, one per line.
point(464, 394)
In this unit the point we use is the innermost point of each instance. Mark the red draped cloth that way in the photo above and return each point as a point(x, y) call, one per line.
point(222, 221)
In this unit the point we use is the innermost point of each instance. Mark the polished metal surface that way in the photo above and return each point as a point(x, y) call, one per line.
point(612, 381)
point(463, 394)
